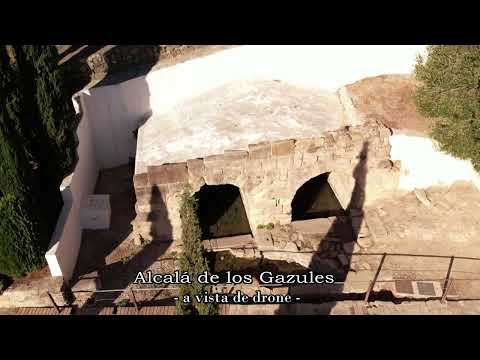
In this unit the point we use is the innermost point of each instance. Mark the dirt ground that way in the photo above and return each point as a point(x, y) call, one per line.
point(389, 98)
point(421, 239)
point(450, 225)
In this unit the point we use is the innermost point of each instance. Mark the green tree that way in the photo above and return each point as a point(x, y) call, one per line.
point(54, 120)
point(37, 149)
point(192, 260)
point(23, 227)
point(20, 251)
point(17, 176)
point(450, 91)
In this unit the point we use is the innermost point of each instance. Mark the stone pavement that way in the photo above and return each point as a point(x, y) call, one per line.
point(328, 308)
point(359, 308)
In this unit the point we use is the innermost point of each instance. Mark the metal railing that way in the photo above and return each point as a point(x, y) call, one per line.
point(447, 280)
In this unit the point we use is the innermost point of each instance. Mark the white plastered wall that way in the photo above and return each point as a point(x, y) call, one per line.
point(66, 240)
point(424, 165)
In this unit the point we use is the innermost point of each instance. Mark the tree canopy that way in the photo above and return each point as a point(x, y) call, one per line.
point(37, 150)
point(450, 91)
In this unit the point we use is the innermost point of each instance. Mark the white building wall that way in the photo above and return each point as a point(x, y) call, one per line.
point(66, 240)
point(424, 165)
point(116, 111)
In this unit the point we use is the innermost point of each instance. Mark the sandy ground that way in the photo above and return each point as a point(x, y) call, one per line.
point(389, 98)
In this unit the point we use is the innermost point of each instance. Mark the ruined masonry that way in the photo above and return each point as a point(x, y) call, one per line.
point(268, 176)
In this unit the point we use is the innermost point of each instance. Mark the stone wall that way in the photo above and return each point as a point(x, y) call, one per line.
point(95, 62)
point(268, 176)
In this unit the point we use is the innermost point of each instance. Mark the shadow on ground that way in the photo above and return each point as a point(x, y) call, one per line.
point(112, 253)
point(338, 226)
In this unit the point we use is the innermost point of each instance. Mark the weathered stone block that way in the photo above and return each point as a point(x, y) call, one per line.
point(282, 148)
point(303, 144)
point(174, 189)
point(143, 193)
point(213, 160)
point(235, 155)
point(196, 167)
point(168, 173)
point(298, 159)
point(284, 163)
point(214, 177)
point(260, 151)
point(385, 164)
point(232, 174)
point(329, 140)
point(140, 180)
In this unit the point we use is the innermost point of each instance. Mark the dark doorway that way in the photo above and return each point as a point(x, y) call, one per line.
point(221, 212)
point(315, 199)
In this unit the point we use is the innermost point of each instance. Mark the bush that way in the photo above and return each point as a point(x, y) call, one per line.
point(51, 103)
point(37, 149)
point(192, 259)
point(20, 250)
point(450, 91)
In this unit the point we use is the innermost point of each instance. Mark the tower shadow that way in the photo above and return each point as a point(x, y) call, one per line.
point(349, 227)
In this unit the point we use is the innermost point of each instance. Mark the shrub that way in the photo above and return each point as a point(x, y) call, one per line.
point(192, 259)
point(21, 169)
point(37, 149)
point(20, 249)
point(49, 102)
point(450, 91)
point(123, 303)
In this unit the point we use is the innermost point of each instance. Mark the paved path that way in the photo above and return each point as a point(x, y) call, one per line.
point(330, 308)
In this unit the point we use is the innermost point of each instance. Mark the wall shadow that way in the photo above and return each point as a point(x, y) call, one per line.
point(349, 233)
point(120, 273)
point(316, 199)
point(221, 211)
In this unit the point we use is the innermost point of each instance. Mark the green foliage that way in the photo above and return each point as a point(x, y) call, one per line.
point(192, 260)
point(17, 176)
point(269, 226)
point(37, 147)
point(20, 250)
point(450, 90)
point(50, 106)
point(123, 303)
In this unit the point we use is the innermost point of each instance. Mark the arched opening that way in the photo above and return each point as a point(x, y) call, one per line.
point(315, 199)
point(221, 211)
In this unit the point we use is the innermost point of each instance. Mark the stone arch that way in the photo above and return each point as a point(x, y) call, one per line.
point(221, 211)
point(315, 199)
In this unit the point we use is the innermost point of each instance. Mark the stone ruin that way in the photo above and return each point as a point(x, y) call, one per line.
point(268, 176)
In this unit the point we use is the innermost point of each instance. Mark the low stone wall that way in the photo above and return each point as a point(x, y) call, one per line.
point(115, 58)
point(110, 59)
point(268, 176)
